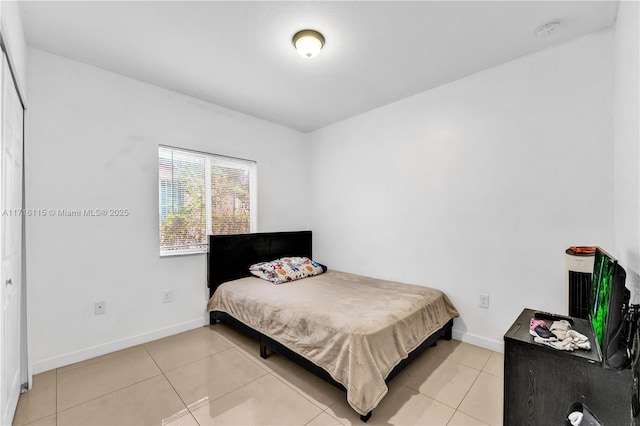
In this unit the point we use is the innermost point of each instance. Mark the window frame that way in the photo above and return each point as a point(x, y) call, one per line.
point(210, 159)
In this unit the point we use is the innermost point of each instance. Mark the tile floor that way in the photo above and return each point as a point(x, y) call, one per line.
point(214, 375)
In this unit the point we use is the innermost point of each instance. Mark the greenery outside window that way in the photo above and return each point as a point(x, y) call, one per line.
point(202, 194)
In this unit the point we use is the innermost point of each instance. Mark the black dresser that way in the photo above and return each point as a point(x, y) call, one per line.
point(541, 383)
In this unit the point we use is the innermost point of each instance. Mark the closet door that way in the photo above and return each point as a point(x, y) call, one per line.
point(12, 218)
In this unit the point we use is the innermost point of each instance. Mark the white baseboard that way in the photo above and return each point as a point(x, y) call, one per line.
point(483, 342)
point(94, 351)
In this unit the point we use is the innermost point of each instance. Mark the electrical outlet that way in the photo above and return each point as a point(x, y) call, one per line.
point(483, 301)
point(167, 296)
point(99, 308)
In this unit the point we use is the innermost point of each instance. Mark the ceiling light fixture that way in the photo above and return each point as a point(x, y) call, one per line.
point(308, 43)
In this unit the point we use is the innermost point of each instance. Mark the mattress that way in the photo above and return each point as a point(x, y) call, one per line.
point(356, 328)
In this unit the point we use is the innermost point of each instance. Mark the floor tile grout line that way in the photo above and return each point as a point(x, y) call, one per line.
point(321, 413)
point(22, 397)
point(108, 393)
point(495, 375)
point(467, 392)
point(487, 361)
point(492, 375)
point(290, 386)
point(265, 373)
point(190, 362)
point(450, 418)
point(222, 396)
point(465, 396)
point(473, 417)
point(58, 372)
point(256, 361)
point(468, 415)
point(435, 399)
point(231, 346)
point(252, 359)
point(479, 370)
point(455, 409)
point(186, 407)
point(334, 403)
point(325, 411)
point(226, 339)
point(142, 346)
point(272, 372)
point(107, 357)
point(448, 342)
point(230, 341)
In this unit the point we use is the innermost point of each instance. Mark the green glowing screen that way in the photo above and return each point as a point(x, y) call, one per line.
point(603, 271)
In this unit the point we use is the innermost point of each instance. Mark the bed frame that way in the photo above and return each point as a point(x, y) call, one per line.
point(229, 258)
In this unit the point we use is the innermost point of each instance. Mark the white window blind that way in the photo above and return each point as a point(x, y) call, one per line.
point(203, 194)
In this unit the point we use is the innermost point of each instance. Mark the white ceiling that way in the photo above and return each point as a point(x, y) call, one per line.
point(239, 55)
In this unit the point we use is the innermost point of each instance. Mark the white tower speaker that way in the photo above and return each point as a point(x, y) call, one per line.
point(578, 282)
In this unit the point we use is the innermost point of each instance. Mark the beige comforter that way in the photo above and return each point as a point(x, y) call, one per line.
point(356, 328)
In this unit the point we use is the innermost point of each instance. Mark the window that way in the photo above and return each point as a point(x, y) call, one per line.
point(202, 194)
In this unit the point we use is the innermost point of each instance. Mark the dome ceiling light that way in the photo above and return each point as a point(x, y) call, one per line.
point(308, 43)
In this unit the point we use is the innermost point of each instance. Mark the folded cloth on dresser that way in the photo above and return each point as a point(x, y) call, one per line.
point(568, 338)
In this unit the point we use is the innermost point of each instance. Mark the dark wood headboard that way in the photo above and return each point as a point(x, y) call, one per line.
point(229, 256)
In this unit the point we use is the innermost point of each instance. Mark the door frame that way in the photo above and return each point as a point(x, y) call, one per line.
point(25, 366)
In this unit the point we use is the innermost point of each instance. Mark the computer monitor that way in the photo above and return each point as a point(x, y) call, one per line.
point(609, 298)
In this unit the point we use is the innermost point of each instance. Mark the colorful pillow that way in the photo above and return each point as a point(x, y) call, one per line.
point(287, 269)
point(306, 265)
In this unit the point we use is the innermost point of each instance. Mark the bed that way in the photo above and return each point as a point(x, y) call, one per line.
point(355, 332)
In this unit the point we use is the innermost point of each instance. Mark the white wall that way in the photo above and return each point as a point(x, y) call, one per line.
point(13, 35)
point(627, 142)
point(477, 186)
point(93, 141)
